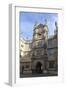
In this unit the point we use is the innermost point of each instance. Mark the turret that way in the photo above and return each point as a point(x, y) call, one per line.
point(39, 47)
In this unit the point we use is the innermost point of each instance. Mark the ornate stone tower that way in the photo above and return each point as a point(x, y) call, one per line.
point(39, 48)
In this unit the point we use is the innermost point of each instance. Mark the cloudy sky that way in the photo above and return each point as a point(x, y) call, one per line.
point(28, 19)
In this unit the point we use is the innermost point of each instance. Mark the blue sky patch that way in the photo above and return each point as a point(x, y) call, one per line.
point(27, 21)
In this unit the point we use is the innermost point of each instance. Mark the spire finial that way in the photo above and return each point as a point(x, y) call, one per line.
point(56, 25)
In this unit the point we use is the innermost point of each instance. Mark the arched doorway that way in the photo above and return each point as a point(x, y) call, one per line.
point(39, 67)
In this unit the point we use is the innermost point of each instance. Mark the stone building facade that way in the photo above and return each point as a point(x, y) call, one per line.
point(53, 52)
point(39, 48)
point(25, 56)
point(39, 56)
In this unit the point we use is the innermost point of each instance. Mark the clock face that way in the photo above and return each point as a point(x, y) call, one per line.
point(36, 30)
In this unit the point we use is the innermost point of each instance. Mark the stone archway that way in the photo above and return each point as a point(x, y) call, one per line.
point(39, 67)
